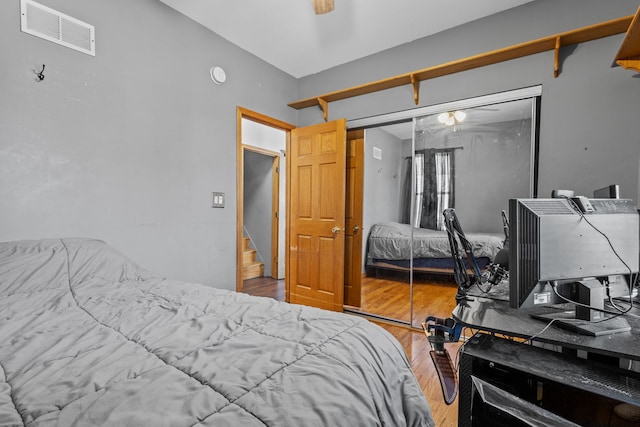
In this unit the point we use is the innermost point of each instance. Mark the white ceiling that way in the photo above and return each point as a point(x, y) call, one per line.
point(290, 36)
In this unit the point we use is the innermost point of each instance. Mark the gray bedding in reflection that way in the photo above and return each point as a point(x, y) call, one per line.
point(89, 338)
point(392, 240)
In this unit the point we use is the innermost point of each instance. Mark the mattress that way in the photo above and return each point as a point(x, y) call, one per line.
point(393, 241)
point(89, 338)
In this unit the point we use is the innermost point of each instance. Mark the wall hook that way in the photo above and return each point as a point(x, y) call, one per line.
point(40, 75)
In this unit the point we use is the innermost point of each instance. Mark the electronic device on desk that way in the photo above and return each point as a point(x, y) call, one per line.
point(608, 192)
point(576, 250)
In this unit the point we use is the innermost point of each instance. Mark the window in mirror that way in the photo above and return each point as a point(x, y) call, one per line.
point(474, 164)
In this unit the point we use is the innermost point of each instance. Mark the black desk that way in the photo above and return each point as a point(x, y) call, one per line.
point(495, 316)
point(500, 378)
point(568, 381)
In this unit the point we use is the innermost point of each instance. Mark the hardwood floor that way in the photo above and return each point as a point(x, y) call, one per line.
point(264, 287)
point(391, 298)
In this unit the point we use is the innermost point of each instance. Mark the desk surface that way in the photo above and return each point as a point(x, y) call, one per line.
point(496, 316)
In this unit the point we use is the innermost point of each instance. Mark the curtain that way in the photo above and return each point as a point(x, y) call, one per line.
point(444, 184)
point(433, 170)
point(429, 214)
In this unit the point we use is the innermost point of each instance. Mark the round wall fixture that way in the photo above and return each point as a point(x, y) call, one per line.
point(218, 75)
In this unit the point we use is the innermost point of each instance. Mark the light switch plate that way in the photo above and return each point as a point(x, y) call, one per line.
point(217, 200)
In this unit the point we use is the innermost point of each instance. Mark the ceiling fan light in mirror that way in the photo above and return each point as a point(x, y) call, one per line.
point(459, 115)
point(452, 117)
point(443, 117)
point(322, 6)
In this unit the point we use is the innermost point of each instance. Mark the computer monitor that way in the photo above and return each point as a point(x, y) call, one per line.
point(558, 194)
point(608, 192)
point(581, 249)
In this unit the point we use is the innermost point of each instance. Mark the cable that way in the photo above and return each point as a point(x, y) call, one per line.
point(531, 338)
point(582, 215)
point(612, 313)
point(613, 304)
point(632, 280)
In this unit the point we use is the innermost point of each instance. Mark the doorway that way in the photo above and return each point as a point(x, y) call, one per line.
point(261, 237)
point(263, 142)
point(317, 155)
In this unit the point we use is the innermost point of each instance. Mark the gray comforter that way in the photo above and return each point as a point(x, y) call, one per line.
point(392, 240)
point(88, 338)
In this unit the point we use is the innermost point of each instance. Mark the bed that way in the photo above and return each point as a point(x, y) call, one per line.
point(389, 248)
point(88, 338)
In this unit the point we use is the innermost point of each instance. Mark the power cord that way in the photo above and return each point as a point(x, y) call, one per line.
point(612, 313)
point(633, 278)
point(532, 337)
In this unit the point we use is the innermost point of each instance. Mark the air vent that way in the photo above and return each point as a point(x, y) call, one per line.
point(527, 244)
point(549, 206)
point(49, 24)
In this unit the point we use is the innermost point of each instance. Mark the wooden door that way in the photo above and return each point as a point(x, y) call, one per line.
point(353, 218)
point(316, 215)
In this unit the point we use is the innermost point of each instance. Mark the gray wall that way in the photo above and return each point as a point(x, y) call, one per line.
point(128, 145)
point(382, 180)
point(258, 190)
point(589, 134)
point(489, 171)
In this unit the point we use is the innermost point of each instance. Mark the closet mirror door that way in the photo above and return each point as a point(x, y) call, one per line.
point(472, 160)
point(386, 278)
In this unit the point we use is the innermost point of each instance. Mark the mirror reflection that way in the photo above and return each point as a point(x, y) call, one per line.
point(470, 159)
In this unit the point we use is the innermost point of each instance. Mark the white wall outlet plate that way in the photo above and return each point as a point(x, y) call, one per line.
point(217, 200)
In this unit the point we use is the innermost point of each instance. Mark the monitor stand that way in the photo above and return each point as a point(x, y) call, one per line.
point(588, 317)
point(567, 320)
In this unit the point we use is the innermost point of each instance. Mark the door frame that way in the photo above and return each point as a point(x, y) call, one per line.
point(243, 113)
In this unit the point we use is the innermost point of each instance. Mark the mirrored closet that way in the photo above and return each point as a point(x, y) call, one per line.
point(471, 155)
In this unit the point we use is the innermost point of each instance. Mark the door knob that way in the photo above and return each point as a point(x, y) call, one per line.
point(335, 230)
point(355, 229)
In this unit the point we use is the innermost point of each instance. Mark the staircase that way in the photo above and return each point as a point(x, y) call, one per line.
point(250, 267)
